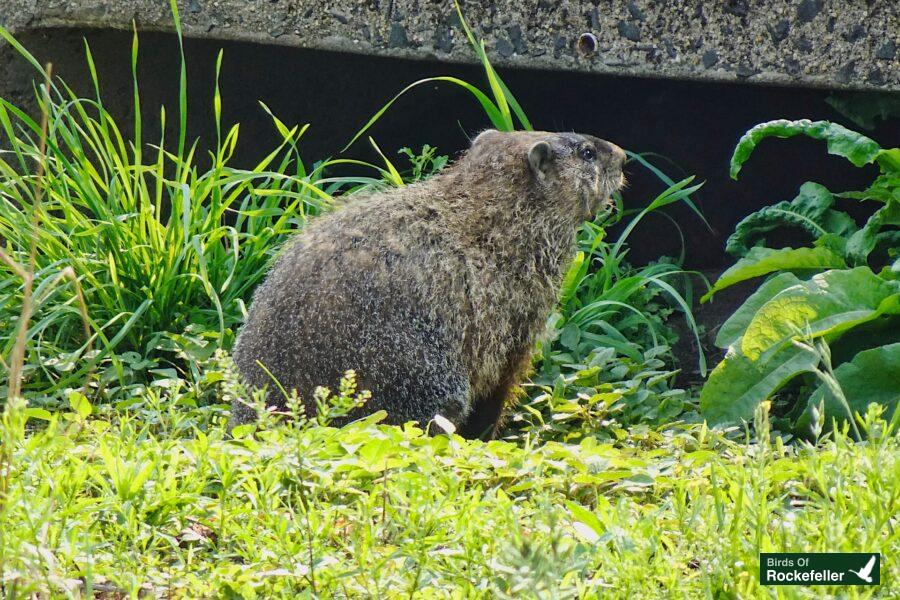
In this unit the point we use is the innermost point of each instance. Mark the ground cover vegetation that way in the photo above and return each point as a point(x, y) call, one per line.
point(127, 264)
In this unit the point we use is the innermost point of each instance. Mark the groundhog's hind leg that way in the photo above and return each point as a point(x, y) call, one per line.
point(430, 394)
point(487, 416)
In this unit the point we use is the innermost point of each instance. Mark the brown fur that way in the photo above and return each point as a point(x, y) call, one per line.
point(434, 293)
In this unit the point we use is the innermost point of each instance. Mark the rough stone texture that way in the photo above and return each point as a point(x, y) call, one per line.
point(823, 43)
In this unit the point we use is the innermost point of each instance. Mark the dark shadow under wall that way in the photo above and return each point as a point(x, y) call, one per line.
point(694, 124)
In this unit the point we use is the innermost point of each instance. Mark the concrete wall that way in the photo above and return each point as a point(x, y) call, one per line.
point(841, 44)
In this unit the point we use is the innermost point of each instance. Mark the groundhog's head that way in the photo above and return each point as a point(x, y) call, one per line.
point(579, 171)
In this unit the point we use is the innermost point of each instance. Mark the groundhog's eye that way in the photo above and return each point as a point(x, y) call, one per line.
point(587, 153)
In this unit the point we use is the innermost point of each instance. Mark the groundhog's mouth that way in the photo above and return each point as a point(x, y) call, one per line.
point(593, 204)
point(603, 198)
point(617, 186)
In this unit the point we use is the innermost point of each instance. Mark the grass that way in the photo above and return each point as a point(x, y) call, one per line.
point(155, 501)
point(158, 239)
point(605, 301)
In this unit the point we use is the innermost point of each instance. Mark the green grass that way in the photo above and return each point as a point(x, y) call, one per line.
point(155, 500)
point(165, 244)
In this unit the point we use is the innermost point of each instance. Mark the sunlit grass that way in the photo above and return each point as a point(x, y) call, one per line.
point(154, 501)
point(159, 238)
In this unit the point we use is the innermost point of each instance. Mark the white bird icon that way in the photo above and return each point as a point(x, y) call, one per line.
point(865, 572)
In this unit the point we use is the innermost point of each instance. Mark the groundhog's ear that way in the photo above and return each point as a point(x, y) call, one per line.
point(540, 156)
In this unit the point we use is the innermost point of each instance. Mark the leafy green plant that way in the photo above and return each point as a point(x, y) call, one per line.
point(865, 109)
point(424, 164)
point(601, 366)
point(839, 242)
point(827, 293)
point(600, 396)
point(156, 499)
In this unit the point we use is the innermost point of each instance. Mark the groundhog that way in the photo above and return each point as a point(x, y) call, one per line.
point(434, 293)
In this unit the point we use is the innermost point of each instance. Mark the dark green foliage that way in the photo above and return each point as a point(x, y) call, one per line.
point(165, 250)
point(819, 297)
point(606, 301)
point(761, 356)
point(872, 376)
point(810, 210)
point(865, 109)
point(601, 395)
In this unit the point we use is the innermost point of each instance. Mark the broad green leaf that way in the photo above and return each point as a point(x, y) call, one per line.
point(810, 210)
point(885, 188)
point(242, 431)
point(38, 413)
point(833, 242)
point(80, 404)
point(889, 160)
point(863, 241)
point(865, 109)
point(855, 147)
point(732, 329)
point(573, 277)
point(889, 240)
point(762, 261)
point(570, 336)
point(872, 376)
point(737, 385)
point(582, 515)
point(829, 303)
